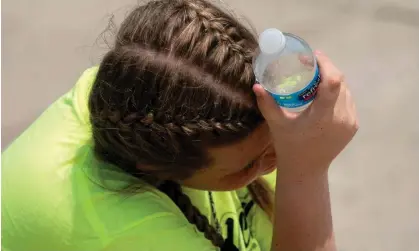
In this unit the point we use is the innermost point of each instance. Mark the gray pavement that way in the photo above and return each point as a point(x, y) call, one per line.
point(375, 182)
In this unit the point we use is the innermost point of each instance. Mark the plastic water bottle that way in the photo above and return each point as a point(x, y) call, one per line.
point(287, 69)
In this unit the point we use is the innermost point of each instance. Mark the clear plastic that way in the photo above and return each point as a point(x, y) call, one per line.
point(287, 68)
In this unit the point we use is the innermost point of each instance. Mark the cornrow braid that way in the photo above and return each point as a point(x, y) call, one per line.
point(222, 43)
point(174, 191)
point(220, 27)
point(193, 128)
point(178, 81)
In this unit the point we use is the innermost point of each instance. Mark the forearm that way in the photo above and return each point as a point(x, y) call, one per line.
point(303, 219)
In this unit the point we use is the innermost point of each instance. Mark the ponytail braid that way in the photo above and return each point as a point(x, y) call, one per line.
point(174, 191)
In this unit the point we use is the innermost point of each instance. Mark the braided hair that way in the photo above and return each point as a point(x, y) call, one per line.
point(177, 81)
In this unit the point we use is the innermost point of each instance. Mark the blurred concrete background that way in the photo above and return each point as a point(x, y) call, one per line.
point(375, 183)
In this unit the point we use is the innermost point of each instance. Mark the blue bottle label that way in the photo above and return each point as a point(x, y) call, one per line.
point(302, 97)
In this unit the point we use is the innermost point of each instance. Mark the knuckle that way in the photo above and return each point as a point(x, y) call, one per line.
point(335, 79)
point(356, 125)
point(353, 126)
point(351, 123)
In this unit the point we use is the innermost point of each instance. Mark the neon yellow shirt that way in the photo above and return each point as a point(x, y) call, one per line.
point(56, 196)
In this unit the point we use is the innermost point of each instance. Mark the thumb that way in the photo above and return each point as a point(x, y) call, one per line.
point(270, 110)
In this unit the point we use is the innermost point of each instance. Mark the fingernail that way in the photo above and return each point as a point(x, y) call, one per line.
point(317, 52)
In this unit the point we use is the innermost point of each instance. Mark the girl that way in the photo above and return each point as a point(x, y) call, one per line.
point(165, 146)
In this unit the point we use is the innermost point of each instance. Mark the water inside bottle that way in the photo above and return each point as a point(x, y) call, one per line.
point(289, 74)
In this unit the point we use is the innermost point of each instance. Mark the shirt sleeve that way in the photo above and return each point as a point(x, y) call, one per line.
point(161, 232)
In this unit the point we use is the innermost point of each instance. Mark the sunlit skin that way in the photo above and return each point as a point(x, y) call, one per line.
point(237, 165)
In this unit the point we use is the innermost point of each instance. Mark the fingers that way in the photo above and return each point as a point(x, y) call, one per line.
point(328, 72)
point(328, 92)
point(306, 60)
point(270, 110)
point(350, 104)
point(331, 81)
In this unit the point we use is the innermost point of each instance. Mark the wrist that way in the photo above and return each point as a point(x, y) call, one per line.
point(302, 172)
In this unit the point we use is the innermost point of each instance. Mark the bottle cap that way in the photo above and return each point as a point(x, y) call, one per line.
point(272, 41)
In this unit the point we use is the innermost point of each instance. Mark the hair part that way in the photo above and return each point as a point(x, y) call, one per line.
point(161, 99)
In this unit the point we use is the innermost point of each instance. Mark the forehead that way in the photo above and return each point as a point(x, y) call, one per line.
point(238, 155)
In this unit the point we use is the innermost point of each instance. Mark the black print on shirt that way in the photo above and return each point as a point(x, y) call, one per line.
point(244, 227)
point(229, 242)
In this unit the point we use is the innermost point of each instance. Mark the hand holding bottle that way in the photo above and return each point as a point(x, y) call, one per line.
point(312, 139)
